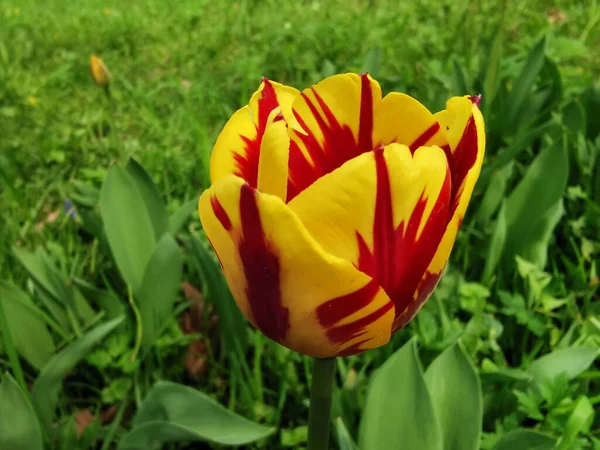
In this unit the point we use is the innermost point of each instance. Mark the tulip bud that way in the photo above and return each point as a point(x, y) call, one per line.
point(99, 72)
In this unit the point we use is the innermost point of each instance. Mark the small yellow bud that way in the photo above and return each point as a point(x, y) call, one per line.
point(99, 71)
point(32, 101)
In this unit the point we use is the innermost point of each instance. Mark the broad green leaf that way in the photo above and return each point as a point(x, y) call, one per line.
point(400, 414)
point(159, 288)
point(526, 80)
point(496, 247)
point(571, 361)
point(19, 427)
point(536, 248)
point(181, 216)
point(173, 412)
point(154, 204)
point(455, 392)
point(525, 440)
point(216, 291)
point(459, 81)
point(579, 421)
point(344, 439)
point(127, 224)
point(30, 335)
point(494, 193)
point(35, 266)
point(45, 390)
point(591, 102)
point(106, 300)
point(531, 208)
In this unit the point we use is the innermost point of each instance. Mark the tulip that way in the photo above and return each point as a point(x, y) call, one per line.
point(333, 211)
point(99, 72)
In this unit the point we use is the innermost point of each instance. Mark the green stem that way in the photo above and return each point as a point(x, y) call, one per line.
point(319, 416)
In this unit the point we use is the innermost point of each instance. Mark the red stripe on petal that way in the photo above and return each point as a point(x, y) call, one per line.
point(353, 349)
point(352, 330)
point(425, 289)
point(247, 160)
point(425, 137)
point(261, 268)
point(399, 258)
point(339, 143)
point(220, 213)
point(333, 311)
point(462, 159)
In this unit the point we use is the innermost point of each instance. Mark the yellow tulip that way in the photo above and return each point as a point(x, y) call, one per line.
point(99, 71)
point(333, 210)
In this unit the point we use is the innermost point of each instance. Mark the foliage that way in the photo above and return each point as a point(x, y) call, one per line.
point(109, 286)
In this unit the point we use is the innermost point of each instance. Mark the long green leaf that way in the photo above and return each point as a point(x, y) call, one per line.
point(525, 440)
point(216, 291)
point(455, 392)
point(570, 361)
point(44, 394)
point(154, 204)
point(30, 335)
point(494, 193)
point(526, 80)
point(181, 216)
point(159, 288)
point(532, 207)
point(345, 441)
point(19, 427)
point(173, 412)
point(127, 224)
point(496, 247)
point(400, 414)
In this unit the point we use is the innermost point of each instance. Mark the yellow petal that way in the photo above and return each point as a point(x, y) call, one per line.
point(402, 119)
point(284, 282)
point(99, 71)
point(336, 117)
point(386, 211)
point(273, 162)
point(463, 123)
point(237, 150)
point(465, 128)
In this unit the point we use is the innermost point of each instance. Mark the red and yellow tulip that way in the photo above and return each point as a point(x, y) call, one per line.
point(333, 210)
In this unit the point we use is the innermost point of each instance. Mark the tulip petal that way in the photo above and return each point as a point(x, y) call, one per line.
point(273, 161)
point(402, 119)
point(463, 123)
point(336, 117)
point(386, 211)
point(284, 282)
point(237, 150)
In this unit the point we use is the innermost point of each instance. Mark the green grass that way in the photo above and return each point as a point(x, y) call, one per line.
point(179, 69)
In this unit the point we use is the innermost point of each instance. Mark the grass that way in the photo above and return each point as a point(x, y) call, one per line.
point(181, 68)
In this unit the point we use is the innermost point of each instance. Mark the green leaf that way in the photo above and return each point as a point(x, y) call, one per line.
point(579, 421)
point(571, 360)
point(159, 288)
point(494, 193)
point(490, 81)
point(19, 427)
point(154, 204)
point(45, 390)
point(181, 216)
point(591, 102)
point(344, 439)
point(574, 118)
point(496, 247)
point(216, 291)
point(173, 412)
point(526, 80)
point(459, 81)
point(532, 207)
point(30, 335)
point(456, 397)
point(37, 269)
point(525, 440)
point(67, 434)
point(400, 414)
point(127, 224)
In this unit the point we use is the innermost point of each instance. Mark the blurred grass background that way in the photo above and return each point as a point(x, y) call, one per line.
point(179, 69)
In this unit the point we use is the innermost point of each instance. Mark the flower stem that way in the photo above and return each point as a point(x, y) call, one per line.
point(319, 416)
